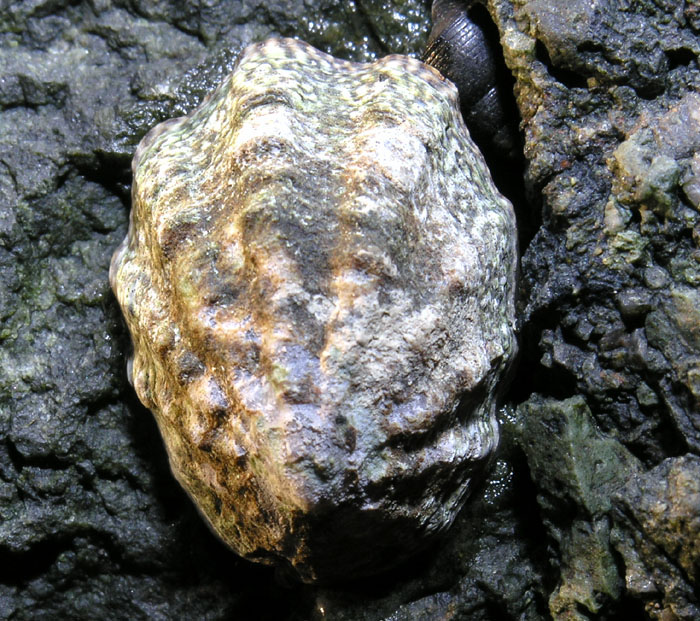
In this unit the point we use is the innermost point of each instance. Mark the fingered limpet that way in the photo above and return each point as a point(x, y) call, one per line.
point(318, 280)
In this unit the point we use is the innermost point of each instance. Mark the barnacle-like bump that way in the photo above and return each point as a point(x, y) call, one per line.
point(318, 279)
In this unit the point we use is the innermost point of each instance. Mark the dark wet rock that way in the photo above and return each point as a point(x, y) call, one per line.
point(93, 524)
point(610, 164)
point(610, 278)
point(657, 533)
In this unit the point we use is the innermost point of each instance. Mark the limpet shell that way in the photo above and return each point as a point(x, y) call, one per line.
point(318, 280)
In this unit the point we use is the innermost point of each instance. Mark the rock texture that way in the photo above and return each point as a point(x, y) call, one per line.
point(657, 516)
point(608, 96)
point(318, 279)
point(93, 525)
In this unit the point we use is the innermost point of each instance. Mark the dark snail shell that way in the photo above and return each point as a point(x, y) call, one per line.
point(463, 47)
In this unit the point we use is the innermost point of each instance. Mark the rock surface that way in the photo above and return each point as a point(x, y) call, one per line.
point(92, 523)
point(319, 281)
point(657, 517)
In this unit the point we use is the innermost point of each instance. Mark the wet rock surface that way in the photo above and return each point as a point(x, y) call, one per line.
point(657, 528)
point(93, 525)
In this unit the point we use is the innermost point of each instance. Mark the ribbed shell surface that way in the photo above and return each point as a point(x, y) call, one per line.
point(318, 279)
